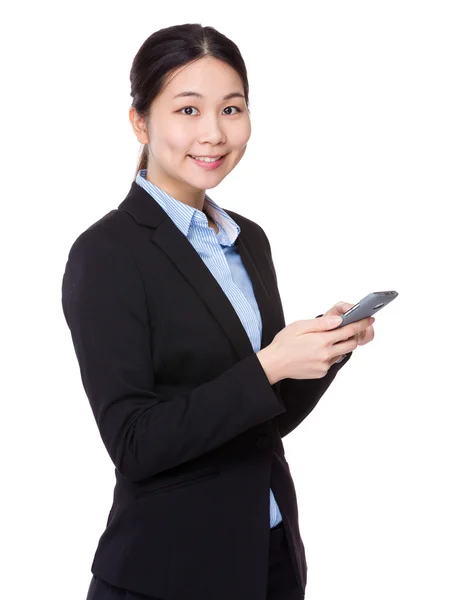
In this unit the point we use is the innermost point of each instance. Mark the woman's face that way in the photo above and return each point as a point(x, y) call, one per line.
point(202, 123)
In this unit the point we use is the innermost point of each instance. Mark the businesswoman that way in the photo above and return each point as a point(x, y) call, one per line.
point(192, 375)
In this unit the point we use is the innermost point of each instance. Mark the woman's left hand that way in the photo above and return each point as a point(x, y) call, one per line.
point(364, 336)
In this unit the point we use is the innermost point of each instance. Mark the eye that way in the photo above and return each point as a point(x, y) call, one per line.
point(193, 107)
point(236, 108)
point(186, 107)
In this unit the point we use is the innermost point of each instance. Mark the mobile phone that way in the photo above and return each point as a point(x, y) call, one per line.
point(367, 307)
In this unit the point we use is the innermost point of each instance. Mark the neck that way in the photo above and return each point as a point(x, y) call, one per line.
point(177, 189)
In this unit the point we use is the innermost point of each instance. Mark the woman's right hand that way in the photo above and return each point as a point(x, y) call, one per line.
point(306, 349)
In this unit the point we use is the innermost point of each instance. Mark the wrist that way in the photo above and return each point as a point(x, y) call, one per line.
point(271, 364)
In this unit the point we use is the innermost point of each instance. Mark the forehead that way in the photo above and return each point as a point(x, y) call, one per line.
point(207, 76)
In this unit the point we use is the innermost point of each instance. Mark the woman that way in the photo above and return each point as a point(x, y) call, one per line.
point(192, 376)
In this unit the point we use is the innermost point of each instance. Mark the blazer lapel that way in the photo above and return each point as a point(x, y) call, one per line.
point(271, 322)
point(147, 212)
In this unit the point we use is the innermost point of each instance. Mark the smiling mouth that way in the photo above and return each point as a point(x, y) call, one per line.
point(202, 157)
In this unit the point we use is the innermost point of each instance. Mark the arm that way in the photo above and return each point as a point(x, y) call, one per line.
point(105, 306)
point(300, 396)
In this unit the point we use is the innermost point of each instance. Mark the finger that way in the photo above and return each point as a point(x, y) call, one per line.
point(341, 307)
point(338, 309)
point(321, 323)
point(367, 336)
point(348, 331)
point(343, 347)
point(357, 336)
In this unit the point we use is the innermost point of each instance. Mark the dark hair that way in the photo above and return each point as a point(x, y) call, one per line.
point(173, 47)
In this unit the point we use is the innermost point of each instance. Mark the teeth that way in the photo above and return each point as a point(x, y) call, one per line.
point(206, 159)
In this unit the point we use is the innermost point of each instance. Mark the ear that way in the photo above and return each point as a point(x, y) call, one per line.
point(139, 125)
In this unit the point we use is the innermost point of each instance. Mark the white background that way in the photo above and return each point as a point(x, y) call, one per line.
point(353, 170)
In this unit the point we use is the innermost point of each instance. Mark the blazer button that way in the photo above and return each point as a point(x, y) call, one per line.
point(263, 442)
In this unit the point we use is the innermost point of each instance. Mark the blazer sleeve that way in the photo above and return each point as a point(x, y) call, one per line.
point(104, 304)
point(299, 396)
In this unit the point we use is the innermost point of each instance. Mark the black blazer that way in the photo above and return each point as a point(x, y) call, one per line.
point(183, 406)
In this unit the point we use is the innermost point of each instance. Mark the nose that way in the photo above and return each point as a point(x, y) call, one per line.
point(211, 131)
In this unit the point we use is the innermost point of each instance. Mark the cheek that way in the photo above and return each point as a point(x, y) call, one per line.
point(239, 155)
point(241, 135)
point(240, 139)
point(175, 138)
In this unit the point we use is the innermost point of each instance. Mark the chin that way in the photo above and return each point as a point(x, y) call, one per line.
point(207, 181)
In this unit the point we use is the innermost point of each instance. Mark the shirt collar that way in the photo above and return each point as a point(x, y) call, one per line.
point(184, 215)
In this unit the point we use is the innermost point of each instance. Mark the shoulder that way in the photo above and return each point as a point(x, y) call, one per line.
point(112, 231)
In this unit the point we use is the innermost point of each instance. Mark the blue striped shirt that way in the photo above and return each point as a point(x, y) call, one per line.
point(218, 252)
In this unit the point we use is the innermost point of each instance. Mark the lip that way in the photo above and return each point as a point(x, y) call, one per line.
point(209, 166)
point(207, 155)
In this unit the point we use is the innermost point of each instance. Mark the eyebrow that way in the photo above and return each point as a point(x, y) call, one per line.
point(226, 97)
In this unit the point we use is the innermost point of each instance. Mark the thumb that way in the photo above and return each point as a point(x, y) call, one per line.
point(321, 323)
